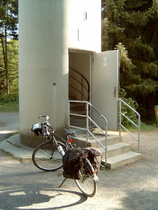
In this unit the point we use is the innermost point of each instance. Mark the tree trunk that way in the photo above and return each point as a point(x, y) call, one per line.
point(5, 59)
point(6, 62)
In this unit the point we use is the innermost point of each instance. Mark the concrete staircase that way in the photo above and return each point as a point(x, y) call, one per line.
point(119, 153)
point(78, 108)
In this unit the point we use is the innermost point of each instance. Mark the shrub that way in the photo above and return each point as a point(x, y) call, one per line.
point(126, 110)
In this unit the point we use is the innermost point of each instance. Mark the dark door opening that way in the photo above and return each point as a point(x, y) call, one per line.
point(79, 76)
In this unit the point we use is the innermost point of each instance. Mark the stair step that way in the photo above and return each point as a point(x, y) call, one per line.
point(72, 97)
point(123, 159)
point(93, 143)
point(79, 111)
point(78, 122)
point(119, 153)
point(75, 107)
point(115, 149)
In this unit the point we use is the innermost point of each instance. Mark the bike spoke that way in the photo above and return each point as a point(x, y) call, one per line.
point(87, 183)
point(47, 157)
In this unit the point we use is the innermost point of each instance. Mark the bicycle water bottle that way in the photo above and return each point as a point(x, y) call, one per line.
point(61, 150)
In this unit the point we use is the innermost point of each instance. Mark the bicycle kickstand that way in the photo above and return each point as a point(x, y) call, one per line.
point(62, 183)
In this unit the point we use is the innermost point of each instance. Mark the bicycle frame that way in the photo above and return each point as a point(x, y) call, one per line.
point(88, 174)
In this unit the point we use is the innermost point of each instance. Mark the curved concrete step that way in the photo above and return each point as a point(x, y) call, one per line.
point(115, 149)
point(123, 159)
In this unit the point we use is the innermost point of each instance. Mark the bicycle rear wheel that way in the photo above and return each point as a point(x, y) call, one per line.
point(47, 157)
point(87, 183)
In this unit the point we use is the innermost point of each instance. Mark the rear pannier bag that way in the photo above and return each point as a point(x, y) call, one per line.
point(94, 156)
point(71, 163)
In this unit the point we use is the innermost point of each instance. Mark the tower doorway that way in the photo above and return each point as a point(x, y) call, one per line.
point(79, 75)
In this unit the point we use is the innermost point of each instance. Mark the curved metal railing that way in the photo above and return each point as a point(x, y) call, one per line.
point(79, 84)
point(121, 115)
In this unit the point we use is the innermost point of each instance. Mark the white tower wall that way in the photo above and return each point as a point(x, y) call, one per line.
point(47, 30)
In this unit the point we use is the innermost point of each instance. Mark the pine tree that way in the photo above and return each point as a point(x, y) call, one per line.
point(131, 26)
point(8, 29)
point(13, 66)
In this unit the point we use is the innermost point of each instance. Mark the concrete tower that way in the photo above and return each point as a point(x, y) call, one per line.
point(48, 31)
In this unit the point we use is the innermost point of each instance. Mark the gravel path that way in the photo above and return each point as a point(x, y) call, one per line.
point(132, 187)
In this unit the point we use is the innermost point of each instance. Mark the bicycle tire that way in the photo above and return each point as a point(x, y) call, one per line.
point(47, 157)
point(87, 183)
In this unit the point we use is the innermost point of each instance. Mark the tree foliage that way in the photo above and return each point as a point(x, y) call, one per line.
point(9, 18)
point(8, 32)
point(131, 27)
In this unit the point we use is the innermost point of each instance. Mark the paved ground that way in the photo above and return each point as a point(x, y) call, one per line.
point(9, 123)
point(22, 186)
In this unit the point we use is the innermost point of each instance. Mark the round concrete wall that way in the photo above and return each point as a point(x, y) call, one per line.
point(43, 64)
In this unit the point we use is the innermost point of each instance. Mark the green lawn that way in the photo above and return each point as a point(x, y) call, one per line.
point(9, 107)
point(13, 106)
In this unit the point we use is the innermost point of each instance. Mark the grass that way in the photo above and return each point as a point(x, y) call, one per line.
point(148, 127)
point(12, 106)
point(143, 127)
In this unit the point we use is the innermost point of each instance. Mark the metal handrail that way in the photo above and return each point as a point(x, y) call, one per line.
point(136, 125)
point(87, 89)
point(88, 118)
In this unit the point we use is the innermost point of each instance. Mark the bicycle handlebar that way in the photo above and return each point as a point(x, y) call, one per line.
point(45, 125)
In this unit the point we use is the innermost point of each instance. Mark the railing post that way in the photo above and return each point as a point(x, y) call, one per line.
point(139, 123)
point(87, 122)
point(106, 143)
point(120, 110)
point(137, 126)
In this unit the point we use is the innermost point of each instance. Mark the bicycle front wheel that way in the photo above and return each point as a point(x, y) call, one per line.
point(47, 157)
point(87, 183)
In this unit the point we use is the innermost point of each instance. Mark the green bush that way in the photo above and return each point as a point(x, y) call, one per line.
point(4, 98)
point(9, 103)
point(127, 111)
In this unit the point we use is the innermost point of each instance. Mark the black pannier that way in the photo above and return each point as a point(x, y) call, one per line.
point(73, 158)
point(94, 156)
point(71, 163)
